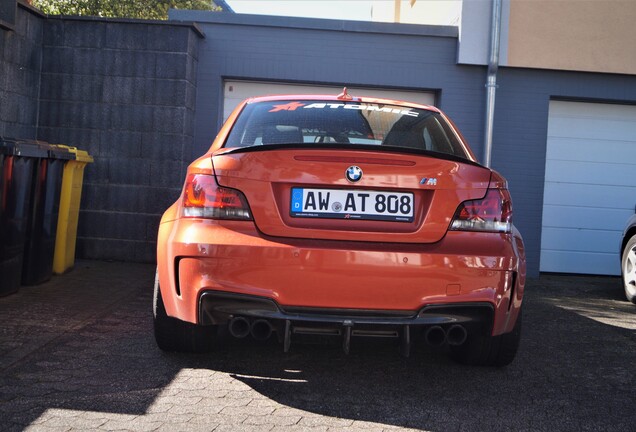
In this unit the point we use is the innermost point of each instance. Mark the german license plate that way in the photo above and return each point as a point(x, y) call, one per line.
point(352, 204)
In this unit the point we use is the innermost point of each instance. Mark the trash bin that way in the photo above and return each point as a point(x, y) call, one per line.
point(42, 227)
point(18, 162)
point(64, 257)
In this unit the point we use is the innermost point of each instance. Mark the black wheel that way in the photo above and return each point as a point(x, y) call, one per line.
point(628, 269)
point(487, 350)
point(172, 334)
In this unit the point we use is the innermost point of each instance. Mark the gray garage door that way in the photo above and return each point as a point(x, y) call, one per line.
point(237, 91)
point(590, 186)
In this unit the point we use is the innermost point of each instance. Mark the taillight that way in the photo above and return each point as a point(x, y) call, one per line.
point(492, 213)
point(204, 198)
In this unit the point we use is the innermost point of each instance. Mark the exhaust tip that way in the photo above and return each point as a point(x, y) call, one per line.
point(435, 336)
point(239, 327)
point(456, 335)
point(261, 329)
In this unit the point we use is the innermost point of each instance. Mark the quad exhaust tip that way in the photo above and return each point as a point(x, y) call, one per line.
point(261, 330)
point(437, 336)
point(239, 327)
point(456, 335)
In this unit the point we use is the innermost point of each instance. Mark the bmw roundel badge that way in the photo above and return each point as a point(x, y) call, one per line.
point(353, 174)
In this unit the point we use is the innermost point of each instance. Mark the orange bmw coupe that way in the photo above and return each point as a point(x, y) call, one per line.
point(343, 216)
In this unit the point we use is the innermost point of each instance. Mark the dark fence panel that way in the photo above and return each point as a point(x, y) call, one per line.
point(20, 53)
point(125, 91)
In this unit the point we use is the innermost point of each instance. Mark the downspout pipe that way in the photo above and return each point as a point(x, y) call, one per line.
point(491, 81)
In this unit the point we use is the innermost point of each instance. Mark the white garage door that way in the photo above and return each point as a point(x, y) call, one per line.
point(590, 186)
point(237, 91)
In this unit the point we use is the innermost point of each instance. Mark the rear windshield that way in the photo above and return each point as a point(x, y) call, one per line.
point(346, 123)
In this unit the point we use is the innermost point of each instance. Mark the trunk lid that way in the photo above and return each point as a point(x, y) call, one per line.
point(400, 197)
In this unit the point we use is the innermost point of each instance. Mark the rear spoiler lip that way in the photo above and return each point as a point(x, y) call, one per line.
point(340, 146)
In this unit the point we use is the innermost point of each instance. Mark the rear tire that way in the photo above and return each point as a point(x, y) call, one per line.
point(628, 269)
point(172, 334)
point(487, 350)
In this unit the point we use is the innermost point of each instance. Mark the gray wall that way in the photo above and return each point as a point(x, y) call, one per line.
point(20, 53)
point(124, 91)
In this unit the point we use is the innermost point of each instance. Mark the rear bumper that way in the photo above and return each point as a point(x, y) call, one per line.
point(201, 262)
point(219, 308)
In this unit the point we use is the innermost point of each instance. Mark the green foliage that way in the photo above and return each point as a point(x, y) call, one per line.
point(142, 9)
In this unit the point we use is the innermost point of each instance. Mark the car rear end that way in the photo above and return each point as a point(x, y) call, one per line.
point(332, 216)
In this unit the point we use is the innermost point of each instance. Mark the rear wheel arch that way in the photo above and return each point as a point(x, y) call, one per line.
point(631, 232)
point(172, 334)
point(629, 243)
point(482, 349)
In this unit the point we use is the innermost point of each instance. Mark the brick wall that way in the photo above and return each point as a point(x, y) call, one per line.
point(125, 91)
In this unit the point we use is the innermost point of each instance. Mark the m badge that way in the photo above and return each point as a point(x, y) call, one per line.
point(429, 181)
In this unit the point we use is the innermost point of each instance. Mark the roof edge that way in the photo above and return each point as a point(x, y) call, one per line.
point(207, 17)
point(178, 23)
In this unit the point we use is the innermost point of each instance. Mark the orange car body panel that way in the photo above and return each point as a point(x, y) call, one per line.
point(331, 264)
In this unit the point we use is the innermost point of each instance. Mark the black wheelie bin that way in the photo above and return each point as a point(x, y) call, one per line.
point(42, 227)
point(18, 163)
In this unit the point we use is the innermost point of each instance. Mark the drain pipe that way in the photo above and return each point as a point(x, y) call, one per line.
point(491, 82)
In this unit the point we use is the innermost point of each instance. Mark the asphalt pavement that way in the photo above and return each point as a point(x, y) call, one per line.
point(77, 353)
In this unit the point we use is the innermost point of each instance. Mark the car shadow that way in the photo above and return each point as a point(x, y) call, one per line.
point(572, 372)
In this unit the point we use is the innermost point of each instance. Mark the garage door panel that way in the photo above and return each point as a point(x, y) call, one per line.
point(590, 186)
point(591, 111)
point(589, 173)
point(606, 130)
point(580, 240)
point(557, 216)
point(601, 196)
point(574, 149)
point(579, 262)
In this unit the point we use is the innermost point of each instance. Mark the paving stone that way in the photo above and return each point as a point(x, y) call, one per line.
point(265, 403)
point(75, 422)
point(286, 411)
point(271, 420)
point(165, 417)
point(250, 411)
point(325, 421)
point(368, 425)
point(299, 428)
point(194, 409)
point(356, 428)
point(243, 428)
point(137, 424)
point(161, 408)
point(187, 427)
point(44, 428)
point(229, 419)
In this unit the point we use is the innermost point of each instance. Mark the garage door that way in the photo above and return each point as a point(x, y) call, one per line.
point(237, 91)
point(590, 186)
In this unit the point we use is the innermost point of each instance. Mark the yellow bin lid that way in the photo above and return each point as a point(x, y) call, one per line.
point(80, 155)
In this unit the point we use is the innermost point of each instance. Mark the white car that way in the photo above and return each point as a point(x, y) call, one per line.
point(628, 259)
